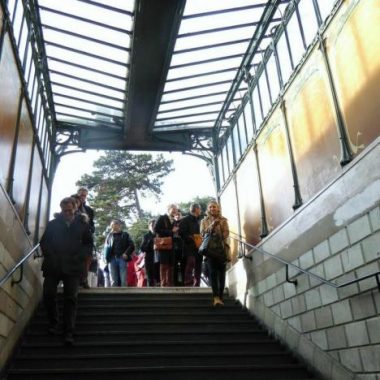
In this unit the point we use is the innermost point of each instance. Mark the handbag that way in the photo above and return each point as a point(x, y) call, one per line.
point(163, 243)
point(213, 247)
point(197, 240)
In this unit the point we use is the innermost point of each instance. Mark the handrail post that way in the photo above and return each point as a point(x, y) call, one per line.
point(20, 264)
point(310, 274)
point(294, 282)
point(14, 282)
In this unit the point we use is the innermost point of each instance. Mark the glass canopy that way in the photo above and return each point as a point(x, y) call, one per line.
point(87, 46)
point(212, 41)
point(90, 48)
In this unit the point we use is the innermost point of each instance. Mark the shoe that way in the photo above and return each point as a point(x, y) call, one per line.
point(68, 339)
point(217, 302)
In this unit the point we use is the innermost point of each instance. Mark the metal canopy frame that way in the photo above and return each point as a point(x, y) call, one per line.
point(160, 75)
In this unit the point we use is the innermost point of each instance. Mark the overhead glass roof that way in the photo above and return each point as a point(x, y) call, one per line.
point(89, 46)
point(213, 39)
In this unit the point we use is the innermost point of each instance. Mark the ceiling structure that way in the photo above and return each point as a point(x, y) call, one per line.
point(160, 75)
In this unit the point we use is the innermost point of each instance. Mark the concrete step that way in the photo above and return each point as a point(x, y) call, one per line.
point(224, 372)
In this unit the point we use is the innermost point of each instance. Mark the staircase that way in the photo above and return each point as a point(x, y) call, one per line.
point(155, 334)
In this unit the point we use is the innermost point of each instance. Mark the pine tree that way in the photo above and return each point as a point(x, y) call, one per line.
point(117, 184)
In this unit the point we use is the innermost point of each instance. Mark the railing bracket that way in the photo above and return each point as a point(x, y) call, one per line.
point(294, 282)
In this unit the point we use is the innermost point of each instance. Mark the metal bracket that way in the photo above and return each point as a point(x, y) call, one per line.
point(14, 282)
point(294, 282)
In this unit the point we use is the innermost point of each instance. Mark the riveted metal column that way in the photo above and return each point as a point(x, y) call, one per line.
point(278, 66)
point(215, 164)
point(28, 188)
point(297, 193)
point(317, 12)
point(264, 225)
point(3, 30)
point(248, 80)
point(10, 178)
point(346, 153)
point(38, 217)
point(52, 170)
point(241, 245)
point(232, 122)
point(215, 168)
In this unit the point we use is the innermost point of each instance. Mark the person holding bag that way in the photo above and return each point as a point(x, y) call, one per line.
point(214, 229)
point(165, 228)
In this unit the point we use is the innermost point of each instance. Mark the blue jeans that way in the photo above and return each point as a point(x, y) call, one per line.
point(118, 271)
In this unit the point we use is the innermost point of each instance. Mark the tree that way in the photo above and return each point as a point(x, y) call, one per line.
point(117, 183)
point(202, 201)
point(138, 229)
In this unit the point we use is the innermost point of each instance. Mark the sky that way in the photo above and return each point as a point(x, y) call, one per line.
point(191, 178)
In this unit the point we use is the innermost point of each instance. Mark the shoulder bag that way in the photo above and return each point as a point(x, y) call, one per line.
point(163, 243)
point(213, 247)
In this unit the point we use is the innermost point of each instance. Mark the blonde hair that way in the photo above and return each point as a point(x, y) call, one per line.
point(214, 203)
point(172, 205)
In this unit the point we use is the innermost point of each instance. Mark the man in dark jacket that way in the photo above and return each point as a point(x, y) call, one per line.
point(188, 227)
point(65, 244)
point(85, 208)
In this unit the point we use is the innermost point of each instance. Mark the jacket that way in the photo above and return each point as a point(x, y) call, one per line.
point(162, 228)
point(65, 246)
point(125, 245)
point(220, 228)
point(188, 226)
point(147, 247)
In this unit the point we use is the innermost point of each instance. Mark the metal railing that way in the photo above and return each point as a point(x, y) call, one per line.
point(310, 274)
point(20, 265)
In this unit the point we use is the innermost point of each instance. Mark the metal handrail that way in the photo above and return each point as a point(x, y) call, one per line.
point(310, 274)
point(19, 265)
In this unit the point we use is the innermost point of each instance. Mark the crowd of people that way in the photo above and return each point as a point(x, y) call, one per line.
point(169, 255)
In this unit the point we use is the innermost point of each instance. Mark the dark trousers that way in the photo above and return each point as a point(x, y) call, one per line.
point(87, 263)
point(70, 296)
point(198, 270)
point(166, 274)
point(150, 273)
point(189, 271)
point(217, 275)
point(178, 269)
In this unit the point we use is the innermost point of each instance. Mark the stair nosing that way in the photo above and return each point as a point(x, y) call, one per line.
point(158, 368)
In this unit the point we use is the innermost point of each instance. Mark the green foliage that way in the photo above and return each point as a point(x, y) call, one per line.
point(117, 183)
point(138, 229)
point(203, 201)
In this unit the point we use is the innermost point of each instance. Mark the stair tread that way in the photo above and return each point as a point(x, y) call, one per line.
point(143, 343)
point(158, 368)
point(148, 335)
point(76, 356)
